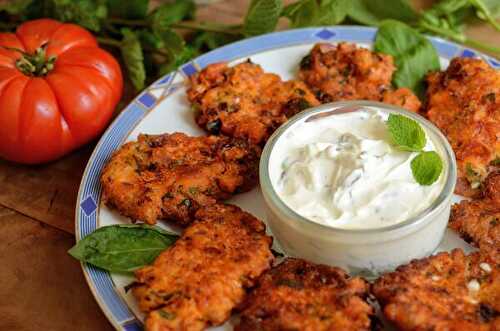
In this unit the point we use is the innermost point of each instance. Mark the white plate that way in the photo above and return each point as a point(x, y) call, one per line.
point(163, 108)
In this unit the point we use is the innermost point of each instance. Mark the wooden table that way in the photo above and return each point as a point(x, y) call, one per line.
point(41, 286)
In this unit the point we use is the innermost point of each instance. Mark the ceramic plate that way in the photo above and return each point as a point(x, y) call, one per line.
point(163, 107)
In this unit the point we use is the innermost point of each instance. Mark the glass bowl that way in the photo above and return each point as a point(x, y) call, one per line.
point(359, 251)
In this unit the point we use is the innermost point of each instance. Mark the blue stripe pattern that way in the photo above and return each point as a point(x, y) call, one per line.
point(100, 280)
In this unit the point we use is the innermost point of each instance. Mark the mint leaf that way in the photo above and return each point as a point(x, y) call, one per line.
point(133, 58)
point(406, 133)
point(426, 167)
point(262, 17)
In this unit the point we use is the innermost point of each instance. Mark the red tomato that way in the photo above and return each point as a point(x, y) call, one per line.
point(58, 90)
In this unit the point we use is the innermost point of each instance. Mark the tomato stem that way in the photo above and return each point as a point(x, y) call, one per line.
point(33, 64)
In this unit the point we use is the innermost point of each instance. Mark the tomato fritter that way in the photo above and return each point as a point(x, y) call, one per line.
point(198, 281)
point(299, 295)
point(245, 102)
point(464, 102)
point(347, 72)
point(478, 220)
point(445, 292)
point(171, 176)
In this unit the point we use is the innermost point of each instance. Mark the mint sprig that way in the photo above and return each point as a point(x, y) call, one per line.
point(407, 135)
point(426, 167)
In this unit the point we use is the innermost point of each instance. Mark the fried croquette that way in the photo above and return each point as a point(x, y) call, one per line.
point(445, 292)
point(245, 102)
point(347, 72)
point(171, 176)
point(299, 295)
point(198, 281)
point(478, 220)
point(464, 102)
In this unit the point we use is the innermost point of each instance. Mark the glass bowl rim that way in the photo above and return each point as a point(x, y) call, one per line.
point(268, 188)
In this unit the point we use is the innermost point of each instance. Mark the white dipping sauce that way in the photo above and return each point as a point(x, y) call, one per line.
point(342, 171)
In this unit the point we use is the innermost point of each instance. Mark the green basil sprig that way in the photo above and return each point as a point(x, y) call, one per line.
point(123, 248)
point(414, 55)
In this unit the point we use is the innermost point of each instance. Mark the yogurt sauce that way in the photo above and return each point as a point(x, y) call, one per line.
point(342, 171)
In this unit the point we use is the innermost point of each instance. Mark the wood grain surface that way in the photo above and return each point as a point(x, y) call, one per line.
point(42, 287)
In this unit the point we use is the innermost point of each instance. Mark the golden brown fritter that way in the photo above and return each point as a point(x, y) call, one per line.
point(171, 176)
point(245, 102)
point(199, 280)
point(478, 220)
point(402, 97)
point(299, 295)
point(445, 292)
point(464, 102)
point(346, 72)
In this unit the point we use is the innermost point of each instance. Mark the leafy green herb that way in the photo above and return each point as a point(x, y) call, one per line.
point(173, 40)
point(496, 162)
point(186, 202)
point(426, 167)
point(414, 55)
point(87, 13)
point(122, 248)
point(406, 133)
point(485, 13)
point(316, 13)
point(262, 17)
point(447, 18)
point(214, 126)
point(166, 314)
point(133, 9)
point(372, 12)
point(15, 7)
point(133, 58)
point(167, 14)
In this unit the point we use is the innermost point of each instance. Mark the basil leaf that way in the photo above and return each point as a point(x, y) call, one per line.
point(122, 248)
point(406, 133)
point(133, 58)
point(167, 14)
point(316, 13)
point(262, 17)
point(149, 39)
point(372, 12)
point(361, 13)
point(132, 9)
point(171, 40)
point(414, 55)
point(426, 167)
